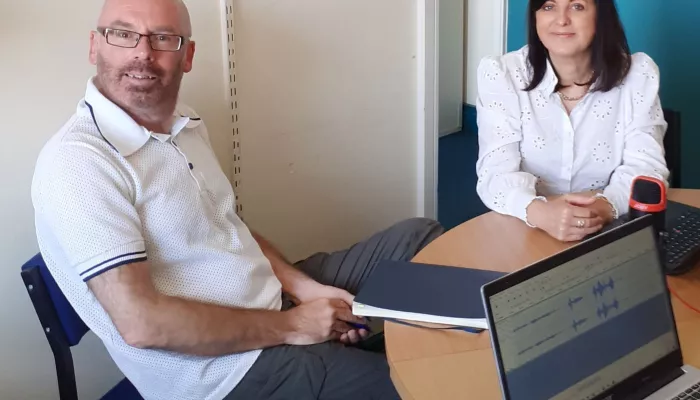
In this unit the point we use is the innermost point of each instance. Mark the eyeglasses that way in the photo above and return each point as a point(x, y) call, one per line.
point(128, 39)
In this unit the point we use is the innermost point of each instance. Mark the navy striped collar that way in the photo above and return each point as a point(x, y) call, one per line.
point(116, 126)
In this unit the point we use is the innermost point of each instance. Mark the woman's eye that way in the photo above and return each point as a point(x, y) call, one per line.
point(577, 7)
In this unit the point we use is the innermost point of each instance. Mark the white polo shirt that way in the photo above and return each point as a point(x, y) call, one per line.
point(106, 193)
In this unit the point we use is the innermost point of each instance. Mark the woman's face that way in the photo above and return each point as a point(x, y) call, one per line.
point(566, 27)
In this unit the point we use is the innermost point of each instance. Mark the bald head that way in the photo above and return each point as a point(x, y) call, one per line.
point(171, 14)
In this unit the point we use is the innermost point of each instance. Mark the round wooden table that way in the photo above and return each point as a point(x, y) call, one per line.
point(427, 364)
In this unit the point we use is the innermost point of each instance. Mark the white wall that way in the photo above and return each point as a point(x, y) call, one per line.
point(451, 65)
point(44, 70)
point(486, 33)
point(327, 105)
point(465, 53)
point(468, 31)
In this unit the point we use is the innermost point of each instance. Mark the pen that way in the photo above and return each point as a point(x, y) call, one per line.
point(360, 326)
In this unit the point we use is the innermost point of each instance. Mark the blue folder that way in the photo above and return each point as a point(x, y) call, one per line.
point(424, 292)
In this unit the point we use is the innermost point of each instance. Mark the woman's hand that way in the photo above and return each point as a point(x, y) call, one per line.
point(604, 210)
point(601, 206)
point(568, 218)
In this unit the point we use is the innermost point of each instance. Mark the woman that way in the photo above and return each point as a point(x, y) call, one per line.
point(568, 121)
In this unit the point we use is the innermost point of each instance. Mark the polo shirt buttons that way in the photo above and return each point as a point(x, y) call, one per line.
point(191, 165)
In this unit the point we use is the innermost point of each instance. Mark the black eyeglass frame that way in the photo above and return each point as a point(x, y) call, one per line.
point(105, 31)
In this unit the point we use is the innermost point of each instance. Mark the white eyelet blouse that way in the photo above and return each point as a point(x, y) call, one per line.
point(530, 147)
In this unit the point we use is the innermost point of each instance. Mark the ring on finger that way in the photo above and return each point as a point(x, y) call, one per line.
point(580, 223)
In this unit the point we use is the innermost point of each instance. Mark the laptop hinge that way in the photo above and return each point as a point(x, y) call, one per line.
point(654, 385)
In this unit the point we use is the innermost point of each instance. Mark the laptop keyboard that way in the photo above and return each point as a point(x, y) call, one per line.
point(682, 243)
point(692, 392)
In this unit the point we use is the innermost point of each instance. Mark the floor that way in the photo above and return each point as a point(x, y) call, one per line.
point(457, 198)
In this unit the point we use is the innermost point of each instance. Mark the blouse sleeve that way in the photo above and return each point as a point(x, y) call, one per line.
point(501, 185)
point(643, 152)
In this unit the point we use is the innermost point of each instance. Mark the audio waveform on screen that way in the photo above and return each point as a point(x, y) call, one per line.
point(600, 288)
point(539, 343)
point(541, 317)
point(577, 323)
point(574, 301)
point(605, 309)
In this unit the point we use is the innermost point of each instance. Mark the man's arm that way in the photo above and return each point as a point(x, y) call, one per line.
point(294, 282)
point(148, 319)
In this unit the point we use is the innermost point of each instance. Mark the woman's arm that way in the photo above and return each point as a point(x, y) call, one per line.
point(501, 185)
point(644, 135)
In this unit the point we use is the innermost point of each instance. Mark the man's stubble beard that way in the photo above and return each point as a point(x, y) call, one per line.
point(147, 102)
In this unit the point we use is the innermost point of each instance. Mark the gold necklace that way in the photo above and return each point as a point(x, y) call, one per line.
point(567, 98)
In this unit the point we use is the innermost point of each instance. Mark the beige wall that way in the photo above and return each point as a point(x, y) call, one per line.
point(43, 71)
point(328, 118)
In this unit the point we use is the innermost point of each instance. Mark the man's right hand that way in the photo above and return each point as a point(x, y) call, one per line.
point(566, 217)
point(319, 321)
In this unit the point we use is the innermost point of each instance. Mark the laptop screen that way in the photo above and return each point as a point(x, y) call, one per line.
point(578, 329)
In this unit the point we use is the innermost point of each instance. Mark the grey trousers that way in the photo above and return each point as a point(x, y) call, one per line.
point(332, 370)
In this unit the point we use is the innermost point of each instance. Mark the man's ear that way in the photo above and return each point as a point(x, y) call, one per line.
point(189, 56)
point(94, 38)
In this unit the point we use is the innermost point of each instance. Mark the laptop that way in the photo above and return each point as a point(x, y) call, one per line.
point(592, 322)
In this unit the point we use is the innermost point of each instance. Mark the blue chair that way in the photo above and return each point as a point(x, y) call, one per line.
point(64, 329)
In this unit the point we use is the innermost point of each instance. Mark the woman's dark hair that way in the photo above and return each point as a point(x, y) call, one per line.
point(610, 53)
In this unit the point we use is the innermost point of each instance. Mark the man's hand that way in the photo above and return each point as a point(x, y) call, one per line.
point(319, 291)
point(567, 218)
point(304, 290)
point(320, 320)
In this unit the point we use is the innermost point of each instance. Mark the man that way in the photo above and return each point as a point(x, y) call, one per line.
point(136, 222)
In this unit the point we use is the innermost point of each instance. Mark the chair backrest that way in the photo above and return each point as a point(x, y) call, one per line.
point(672, 145)
point(62, 325)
